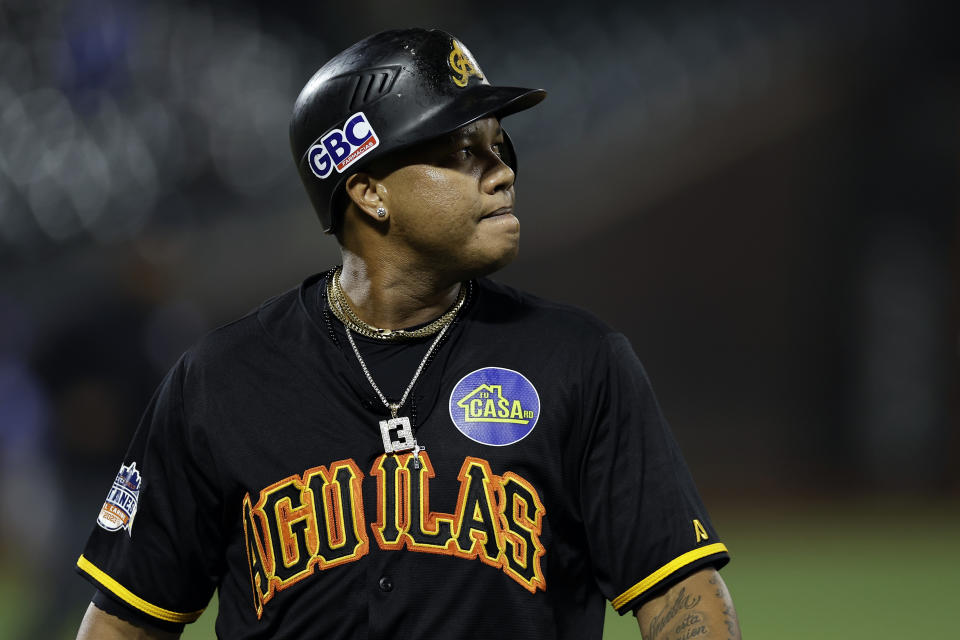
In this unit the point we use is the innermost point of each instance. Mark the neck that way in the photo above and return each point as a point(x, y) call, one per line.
point(391, 296)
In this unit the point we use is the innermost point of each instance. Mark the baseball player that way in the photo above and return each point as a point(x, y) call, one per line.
point(400, 447)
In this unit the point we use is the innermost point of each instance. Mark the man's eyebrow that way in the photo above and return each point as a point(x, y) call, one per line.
point(471, 132)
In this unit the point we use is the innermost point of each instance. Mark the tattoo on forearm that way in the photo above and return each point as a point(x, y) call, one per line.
point(683, 603)
point(715, 581)
point(730, 619)
point(729, 613)
point(696, 615)
point(693, 625)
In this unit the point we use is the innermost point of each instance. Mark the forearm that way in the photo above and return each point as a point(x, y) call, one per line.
point(698, 607)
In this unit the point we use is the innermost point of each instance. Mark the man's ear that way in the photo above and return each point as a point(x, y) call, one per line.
point(367, 194)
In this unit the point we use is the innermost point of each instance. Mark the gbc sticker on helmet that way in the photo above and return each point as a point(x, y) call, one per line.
point(342, 147)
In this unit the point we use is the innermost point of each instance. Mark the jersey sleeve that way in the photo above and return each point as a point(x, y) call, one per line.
point(645, 522)
point(155, 546)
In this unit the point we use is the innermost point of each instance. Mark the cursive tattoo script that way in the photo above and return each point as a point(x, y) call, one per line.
point(692, 619)
point(670, 612)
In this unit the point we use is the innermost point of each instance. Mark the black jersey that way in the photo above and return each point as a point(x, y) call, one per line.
point(549, 482)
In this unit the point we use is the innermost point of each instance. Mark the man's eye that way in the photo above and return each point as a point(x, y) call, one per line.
point(467, 152)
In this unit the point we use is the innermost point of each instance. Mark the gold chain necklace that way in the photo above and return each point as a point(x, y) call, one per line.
point(344, 312)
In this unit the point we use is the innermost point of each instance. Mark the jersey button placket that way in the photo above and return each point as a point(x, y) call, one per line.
point(386, 584)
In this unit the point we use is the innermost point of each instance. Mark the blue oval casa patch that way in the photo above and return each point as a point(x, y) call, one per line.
point(494, 406)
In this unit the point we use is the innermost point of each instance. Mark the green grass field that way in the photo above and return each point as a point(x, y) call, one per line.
point(863, 571)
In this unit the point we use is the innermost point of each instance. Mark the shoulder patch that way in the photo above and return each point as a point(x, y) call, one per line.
point(120, 507)
point(494, 406)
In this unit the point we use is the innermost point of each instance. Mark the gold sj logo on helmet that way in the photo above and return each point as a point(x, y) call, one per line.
point(463, 65)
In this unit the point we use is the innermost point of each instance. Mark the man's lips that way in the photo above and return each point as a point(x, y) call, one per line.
point(502, 211)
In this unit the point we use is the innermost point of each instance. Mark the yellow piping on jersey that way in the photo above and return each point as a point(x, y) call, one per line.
point(666, 570)
point(130, 598)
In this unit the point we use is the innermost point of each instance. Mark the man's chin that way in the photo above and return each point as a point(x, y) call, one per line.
point(498, 261)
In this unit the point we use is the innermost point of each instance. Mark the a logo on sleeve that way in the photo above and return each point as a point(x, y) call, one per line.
point(495, 406)
point(120, 506)
point(340, 148)
point(700, 531)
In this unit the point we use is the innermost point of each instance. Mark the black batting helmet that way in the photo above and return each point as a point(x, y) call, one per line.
point(387, 92)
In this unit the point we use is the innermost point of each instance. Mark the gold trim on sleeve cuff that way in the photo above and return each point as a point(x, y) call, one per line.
point(664, 571)
point(130, 598)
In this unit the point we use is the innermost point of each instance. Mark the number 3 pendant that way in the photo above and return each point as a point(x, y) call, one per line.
point(397, 435)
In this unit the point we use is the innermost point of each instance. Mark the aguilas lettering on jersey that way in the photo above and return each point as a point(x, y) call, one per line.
point(303, 524)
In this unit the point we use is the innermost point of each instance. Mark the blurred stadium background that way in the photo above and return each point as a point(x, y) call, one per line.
point(763, 199)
